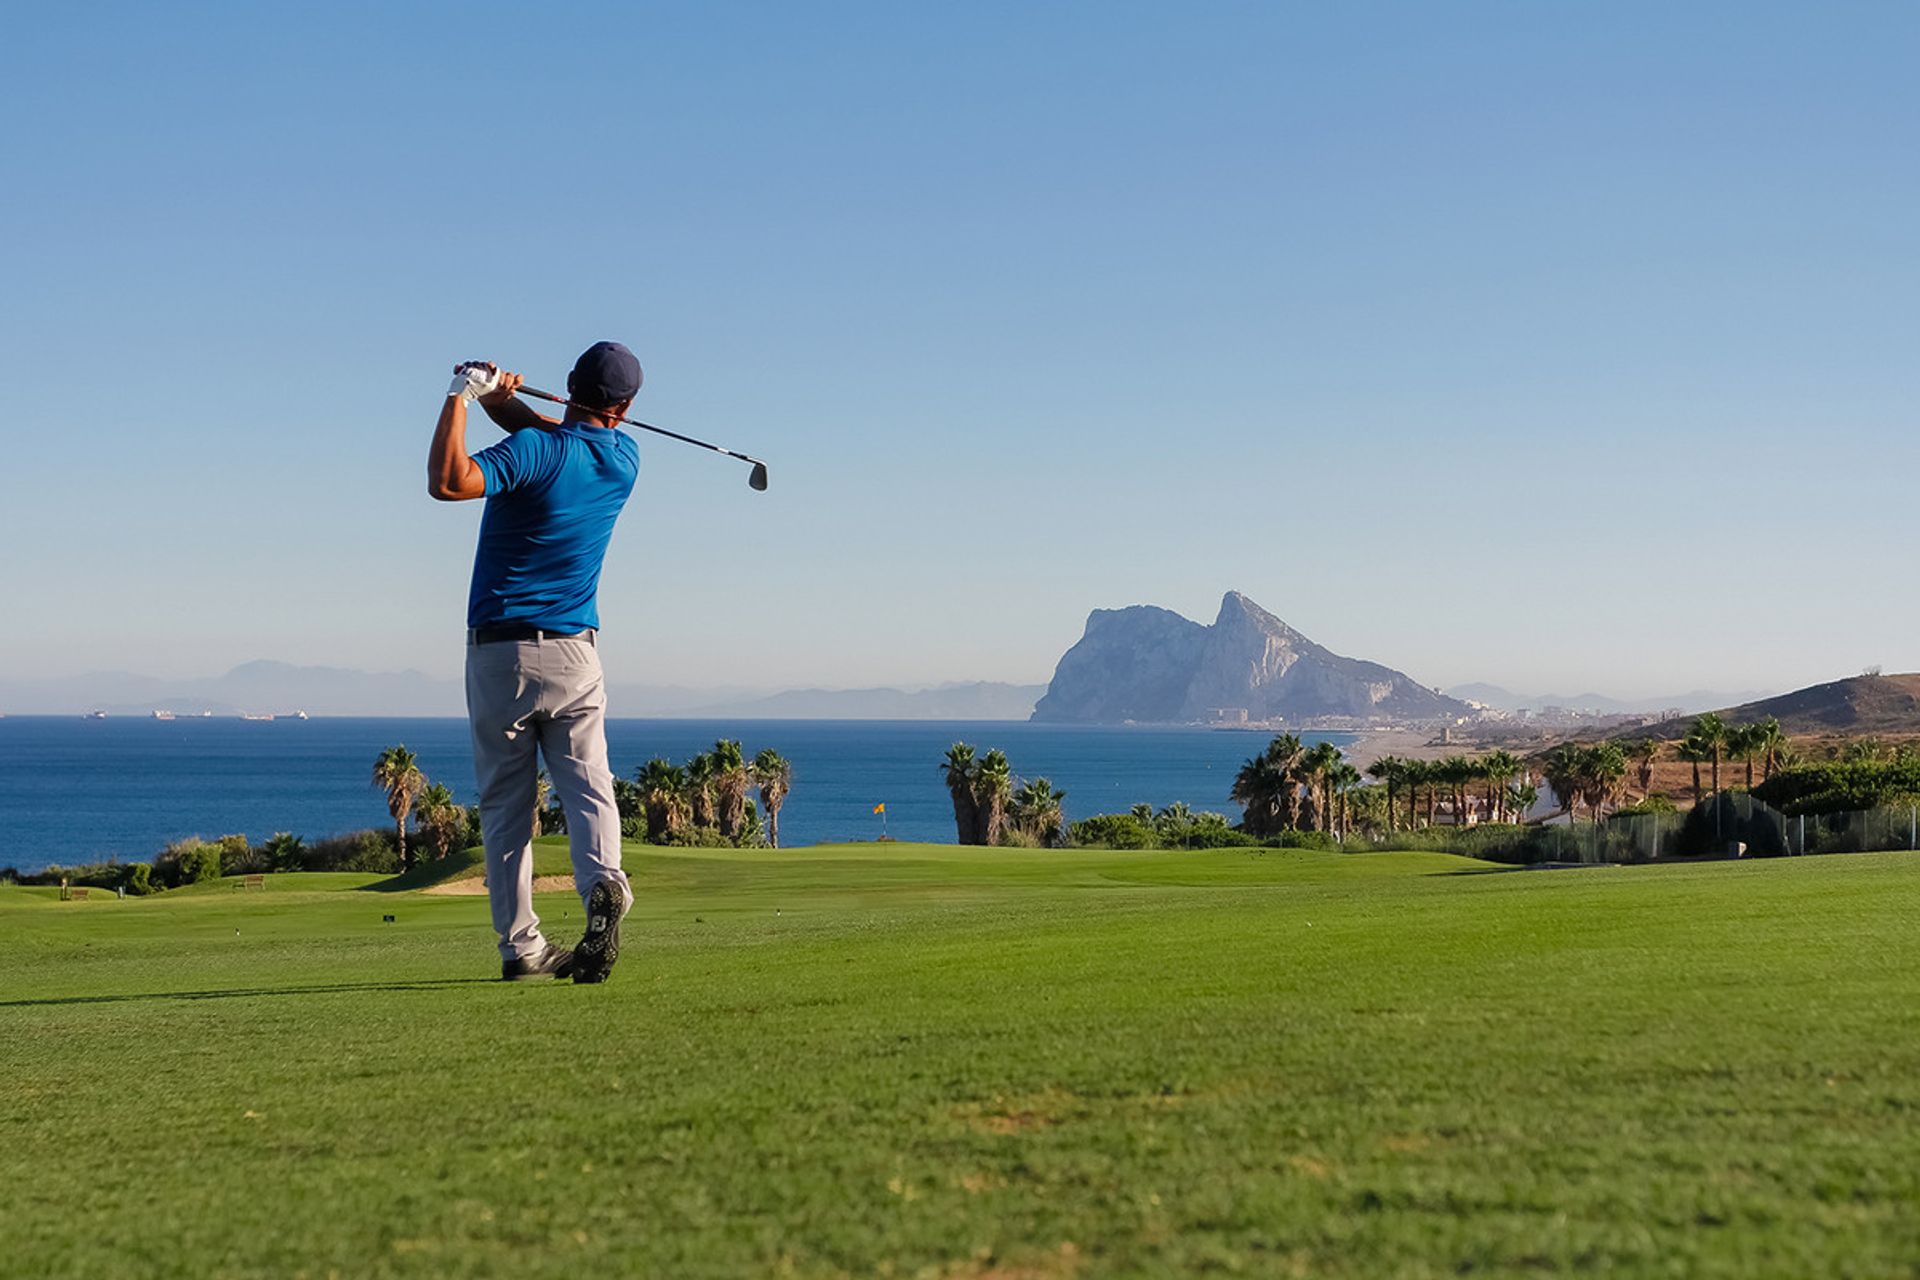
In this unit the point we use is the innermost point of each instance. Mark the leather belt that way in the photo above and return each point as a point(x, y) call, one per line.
point(509, 631)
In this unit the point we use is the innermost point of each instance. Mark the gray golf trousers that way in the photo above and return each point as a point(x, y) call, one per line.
point(549, 695)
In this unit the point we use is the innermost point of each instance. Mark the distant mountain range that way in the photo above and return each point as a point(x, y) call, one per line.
point(1149, 664)
point(979, 700)
point(277, 687)
point(1492, 695)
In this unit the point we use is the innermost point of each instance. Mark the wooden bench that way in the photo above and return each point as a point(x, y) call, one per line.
point(254, 882)
point(76, 894)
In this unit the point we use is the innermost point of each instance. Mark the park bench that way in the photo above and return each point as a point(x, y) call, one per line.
point(254, 882)
point(73, 894)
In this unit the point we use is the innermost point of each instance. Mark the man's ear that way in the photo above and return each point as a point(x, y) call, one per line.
point(620, 410)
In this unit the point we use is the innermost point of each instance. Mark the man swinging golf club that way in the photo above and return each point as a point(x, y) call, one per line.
point(554, 489)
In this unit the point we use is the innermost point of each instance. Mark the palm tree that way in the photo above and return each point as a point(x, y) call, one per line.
point(1742, 746)
point(1316, 769)
point(1603, 771)
point(1256, 788)
point(542, 788)
point(1644, 751)
point(1499, 768)
point(1342, 778)
point(432, 803)
point(773, 774)
point(442, 818)
point(992, 790)
point(702, 773)
point(1036, 810)
point(1452, 774)
point(663, 794)
point(1695, 753)
point(1563, 769)
point(1172, 823)
point(1710, 731)
point(397, 772)
point(1521, 797)
point(1770, 744)
point(730, 780)
point(1390, 770)
point(284, 851)
point(960, 768)
point(1418, 774)
point(1269, 786)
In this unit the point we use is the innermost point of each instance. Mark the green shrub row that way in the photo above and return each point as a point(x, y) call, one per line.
point(193, 860)
point(1841, 786)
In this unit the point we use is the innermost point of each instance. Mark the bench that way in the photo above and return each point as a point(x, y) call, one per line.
point(254, 882)
point(75, 894)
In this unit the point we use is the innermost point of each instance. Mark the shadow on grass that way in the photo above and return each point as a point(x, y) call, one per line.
point(327, 988)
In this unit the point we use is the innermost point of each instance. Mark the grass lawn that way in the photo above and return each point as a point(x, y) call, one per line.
point(925, 1061)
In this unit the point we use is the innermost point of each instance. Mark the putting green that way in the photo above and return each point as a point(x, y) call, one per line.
point(919, 1060)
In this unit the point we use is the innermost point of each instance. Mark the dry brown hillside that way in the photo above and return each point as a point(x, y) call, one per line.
point(1857, 705)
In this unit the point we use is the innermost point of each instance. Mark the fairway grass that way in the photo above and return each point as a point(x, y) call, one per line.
point(897, 1060)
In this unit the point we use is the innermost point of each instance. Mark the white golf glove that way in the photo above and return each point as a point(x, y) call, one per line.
point(474, 380)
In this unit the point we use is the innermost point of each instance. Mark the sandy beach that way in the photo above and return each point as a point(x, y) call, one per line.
point(1408, 744)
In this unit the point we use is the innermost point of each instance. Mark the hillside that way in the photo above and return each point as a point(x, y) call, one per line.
point(1856, 705)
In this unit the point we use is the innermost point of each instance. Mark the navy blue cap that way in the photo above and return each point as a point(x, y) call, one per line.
point(606, 374)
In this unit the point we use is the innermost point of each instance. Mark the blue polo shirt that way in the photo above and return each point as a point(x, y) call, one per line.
point(552, 497)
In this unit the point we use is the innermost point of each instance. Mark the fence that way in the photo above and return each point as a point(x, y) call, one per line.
point(1730, 822)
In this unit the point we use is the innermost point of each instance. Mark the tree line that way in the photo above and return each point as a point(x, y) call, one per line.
point(992, 807)
point(705, 800)
point(1293, 787)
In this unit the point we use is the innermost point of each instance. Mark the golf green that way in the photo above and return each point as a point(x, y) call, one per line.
point(903, 1060)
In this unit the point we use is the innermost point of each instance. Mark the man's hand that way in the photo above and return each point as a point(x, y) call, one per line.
point(497, 398)
point(474, 380)
point(504, 385)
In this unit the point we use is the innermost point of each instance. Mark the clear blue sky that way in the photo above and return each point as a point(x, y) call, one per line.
point(1561, 346)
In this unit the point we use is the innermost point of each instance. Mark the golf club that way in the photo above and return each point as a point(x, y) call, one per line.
point(756, 479)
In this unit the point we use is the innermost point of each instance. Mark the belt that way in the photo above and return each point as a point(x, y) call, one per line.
point(507, 631)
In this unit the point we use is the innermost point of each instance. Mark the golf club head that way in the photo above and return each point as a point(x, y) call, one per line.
point(757, 478)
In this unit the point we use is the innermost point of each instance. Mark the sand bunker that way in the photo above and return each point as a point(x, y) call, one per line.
point(476, 886)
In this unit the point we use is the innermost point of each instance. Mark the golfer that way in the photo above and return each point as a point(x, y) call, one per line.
point(554, 489)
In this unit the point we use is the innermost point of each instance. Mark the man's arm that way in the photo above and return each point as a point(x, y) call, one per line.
point(508, 411)
point(453, 476)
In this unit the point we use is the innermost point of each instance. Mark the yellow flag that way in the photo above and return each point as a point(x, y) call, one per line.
point(880, 808)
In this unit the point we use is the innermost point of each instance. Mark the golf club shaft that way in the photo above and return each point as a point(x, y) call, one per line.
point(659, 431)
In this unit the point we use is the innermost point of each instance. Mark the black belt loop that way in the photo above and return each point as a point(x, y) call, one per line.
point(510, 631)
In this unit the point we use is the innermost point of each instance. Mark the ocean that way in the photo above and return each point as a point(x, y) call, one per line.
point(75, 790)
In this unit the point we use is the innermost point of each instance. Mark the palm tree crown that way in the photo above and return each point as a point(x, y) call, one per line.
point(773, 774)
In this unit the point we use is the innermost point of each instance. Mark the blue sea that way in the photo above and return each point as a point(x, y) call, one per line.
point(75, 790)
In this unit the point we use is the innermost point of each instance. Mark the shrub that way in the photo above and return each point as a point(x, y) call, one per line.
point(284, 851)
point(139, 881)
point(1838, 786)
point(187, 861)
point(200, 863)
point(238, 858)
point(371, 850)
point(1114, 831)
point(1303, 840)
point(692, 837)
point(1655, 803)
point(1753, 828)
